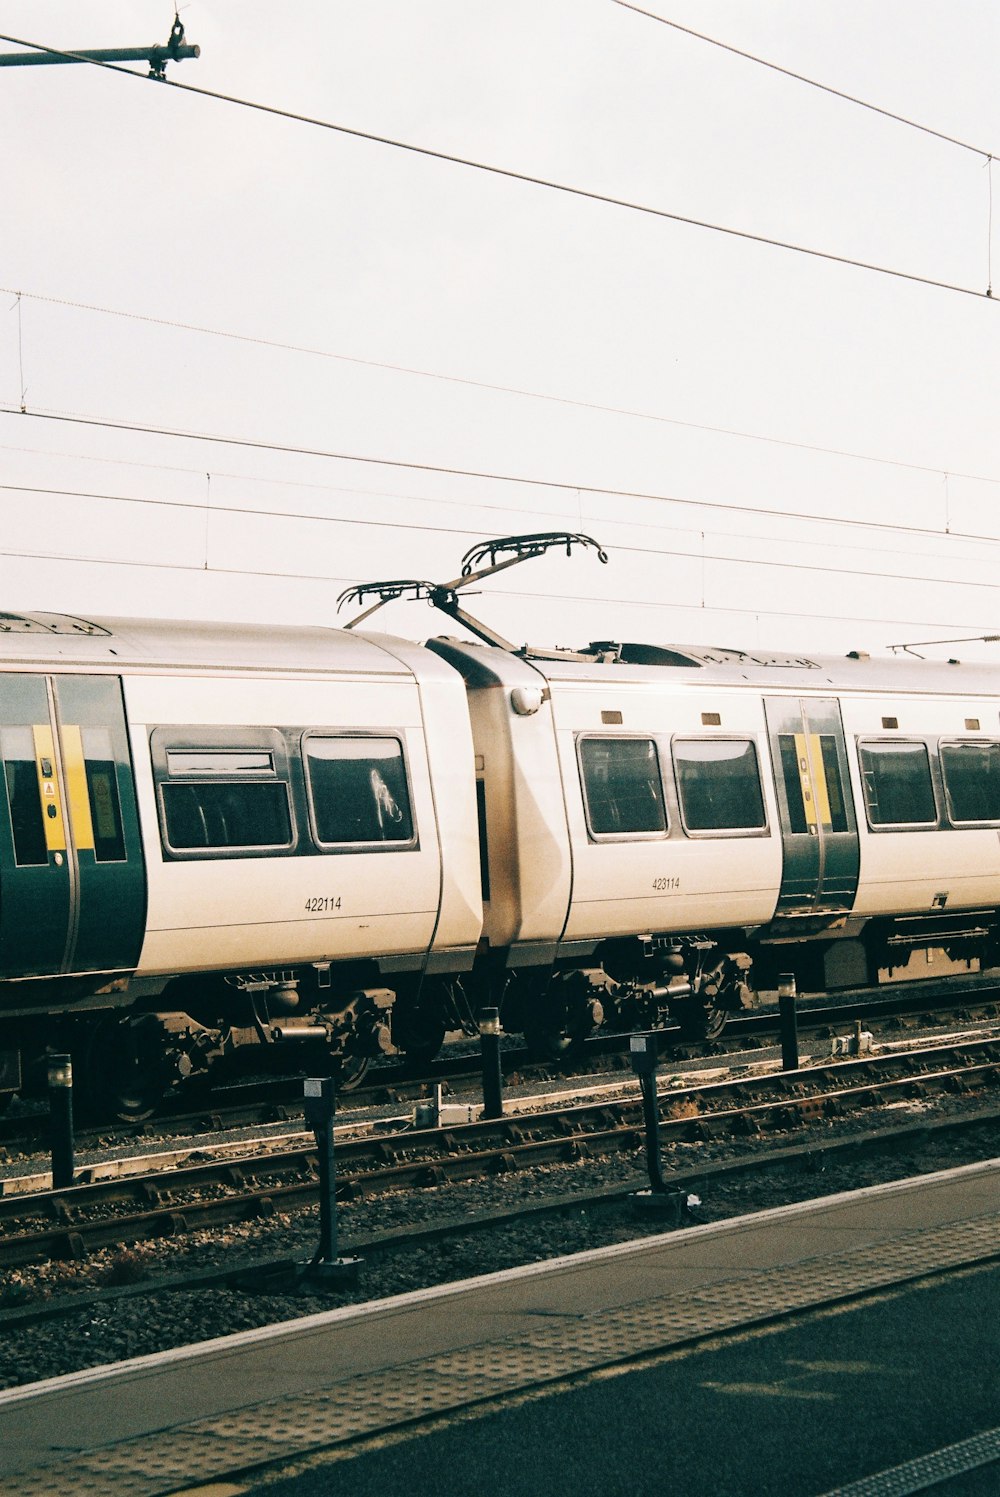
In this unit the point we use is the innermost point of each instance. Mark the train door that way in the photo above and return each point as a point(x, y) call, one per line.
point(819, 831)
point(72, 879)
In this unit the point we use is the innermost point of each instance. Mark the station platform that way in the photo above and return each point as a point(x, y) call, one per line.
point(819, 1328)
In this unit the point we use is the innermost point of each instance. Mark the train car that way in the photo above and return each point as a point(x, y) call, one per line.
point(667, 829)
point(214, 837)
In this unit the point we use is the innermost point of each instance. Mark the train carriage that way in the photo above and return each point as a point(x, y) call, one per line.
point(220, 836)
point(666, 827)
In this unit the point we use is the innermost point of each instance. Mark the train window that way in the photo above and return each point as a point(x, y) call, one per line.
point(357, 790)
point(718, 784)
point(102, 793)
point(814, 787)
point(972, 780)
point(221, 814)
point(24, 797)
point(622, 788)
point(219, 761)
point(221, 792)
point(897, 783)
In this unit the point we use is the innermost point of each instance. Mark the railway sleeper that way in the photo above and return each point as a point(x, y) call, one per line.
point(170, 1224)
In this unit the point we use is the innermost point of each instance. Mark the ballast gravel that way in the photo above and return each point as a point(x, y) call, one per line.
point(120, 1303)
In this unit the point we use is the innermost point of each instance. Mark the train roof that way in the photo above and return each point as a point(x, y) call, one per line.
point(703, 665)
point(47, 639)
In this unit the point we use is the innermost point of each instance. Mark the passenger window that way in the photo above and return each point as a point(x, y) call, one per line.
point(897, 783)
point(972, 780)
point(718, 784)
point(357, 790)
point(102, 792)
point(622, 788)
point(220, 799)
point(24, 797)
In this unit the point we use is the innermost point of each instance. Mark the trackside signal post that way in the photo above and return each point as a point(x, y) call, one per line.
point(60, 1077)
point(489, 1040)
point(787, 995)
point(326, 1267)
point(661, 1199)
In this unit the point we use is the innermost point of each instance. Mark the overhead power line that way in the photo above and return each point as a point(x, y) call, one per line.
point(478, 384)
point(255, 444)
point(512, 175)
point(626, 602)
point(826, 88)
point(700, 554)
point(246, 511)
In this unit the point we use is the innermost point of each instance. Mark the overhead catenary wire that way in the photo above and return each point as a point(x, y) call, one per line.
point(218, 510)
point(480, 506)
point(259, 341)
point(513, 175)
point(528, 480)
point(775, 67)
point(519, 596)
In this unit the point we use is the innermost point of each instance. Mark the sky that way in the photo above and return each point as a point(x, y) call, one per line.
point(247, 362)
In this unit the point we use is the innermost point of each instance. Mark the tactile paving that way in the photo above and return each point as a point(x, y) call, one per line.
point(550, 1347)
point(927, 1470)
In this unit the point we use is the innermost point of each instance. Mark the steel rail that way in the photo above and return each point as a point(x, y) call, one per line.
point(56, 1224)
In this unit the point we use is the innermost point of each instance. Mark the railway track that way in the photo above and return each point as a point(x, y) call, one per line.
point(211, 1192)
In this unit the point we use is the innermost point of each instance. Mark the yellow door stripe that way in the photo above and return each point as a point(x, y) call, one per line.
point(819, 779)
point(76, 786)
point(805, 780)
point(48, 788)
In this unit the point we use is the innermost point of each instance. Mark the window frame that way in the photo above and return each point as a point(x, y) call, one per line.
point(862, 742)
point(382, 845)
point(182, 738)
point(659, 835)
point(947, 743)
point(700, 833)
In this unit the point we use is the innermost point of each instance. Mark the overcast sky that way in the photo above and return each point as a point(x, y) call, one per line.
point(775, 449)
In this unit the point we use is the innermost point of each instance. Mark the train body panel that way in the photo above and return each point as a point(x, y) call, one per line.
point(529, 876)
point(447, 731)
point(622, 750)
point(917, 853)
point(213, 778)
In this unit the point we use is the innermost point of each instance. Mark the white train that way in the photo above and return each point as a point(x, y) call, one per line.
point(219, 837)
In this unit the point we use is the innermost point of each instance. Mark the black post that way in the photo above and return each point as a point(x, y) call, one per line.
point(789, 1022)
point(489, 1039)
point(642, 1048)
point(320, 1106)
point(664, 1201)
point(61, 1120)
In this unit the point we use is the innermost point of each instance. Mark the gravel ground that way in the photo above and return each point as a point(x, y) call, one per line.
point(119, 1303)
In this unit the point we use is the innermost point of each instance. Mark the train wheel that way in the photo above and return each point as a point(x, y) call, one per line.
point(553, 1044)
point(126, 1069)
point(351, 1071)
point(418, 1023)
point(422, 1044)
point(701, 1021)
point(549, 1036)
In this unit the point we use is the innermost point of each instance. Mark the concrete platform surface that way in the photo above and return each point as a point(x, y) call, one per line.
point(208, 1413)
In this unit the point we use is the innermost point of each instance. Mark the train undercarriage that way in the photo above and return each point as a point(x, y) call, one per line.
point(193, 1030)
